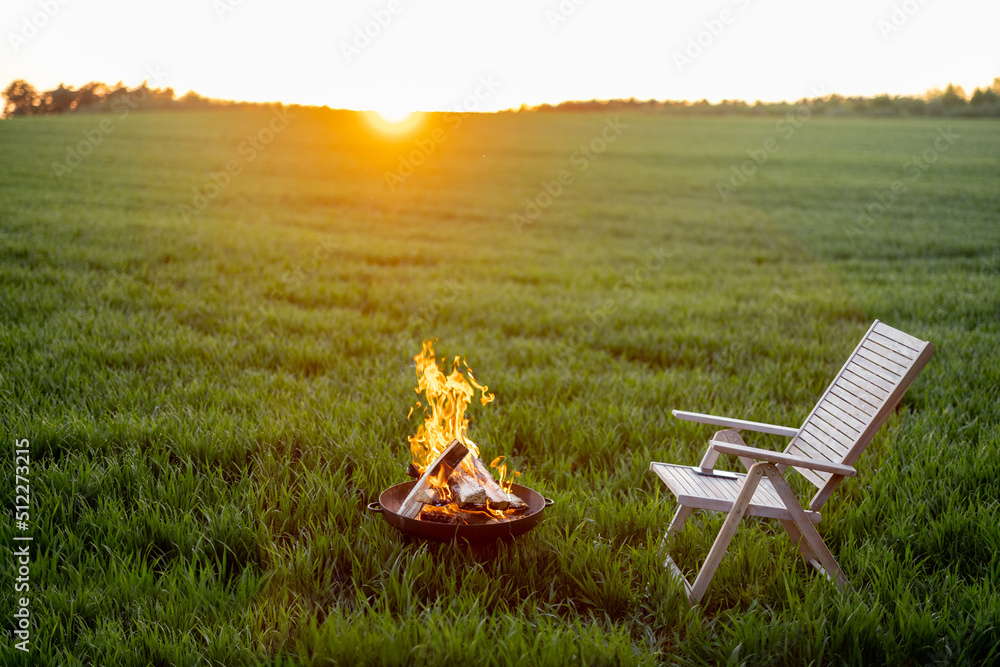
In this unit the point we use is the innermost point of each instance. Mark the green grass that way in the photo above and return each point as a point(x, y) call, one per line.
point(212, 402)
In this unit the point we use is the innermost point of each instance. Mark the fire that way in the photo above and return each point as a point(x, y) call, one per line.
point(440, 482)
point(506, 482)
point(447, 397)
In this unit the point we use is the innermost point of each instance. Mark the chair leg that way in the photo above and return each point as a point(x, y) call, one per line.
point(736, 514)
point(830, 566)
point(800, 543)
point(810, 537)
point(676, 526)
point(668, 537)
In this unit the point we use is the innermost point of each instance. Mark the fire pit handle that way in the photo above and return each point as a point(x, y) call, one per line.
point(549, 502)
point(375, 507)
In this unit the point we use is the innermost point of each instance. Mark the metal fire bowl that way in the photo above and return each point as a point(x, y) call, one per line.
point(388, 504)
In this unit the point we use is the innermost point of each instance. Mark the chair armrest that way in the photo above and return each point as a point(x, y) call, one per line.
point(736, 423)
point(782, 458)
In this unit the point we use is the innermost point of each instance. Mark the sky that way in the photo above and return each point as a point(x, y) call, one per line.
point(401, 55)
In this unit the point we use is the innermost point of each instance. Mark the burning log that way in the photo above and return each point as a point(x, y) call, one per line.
point(466, 490)
point(499, 499)
point(438, 515)
point(476, 492)
point(454, 495)
point(517, 506)
point(449, 458)
point(452, 517)
point(432, 496)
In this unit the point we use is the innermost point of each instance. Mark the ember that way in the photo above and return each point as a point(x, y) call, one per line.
point(455, 487)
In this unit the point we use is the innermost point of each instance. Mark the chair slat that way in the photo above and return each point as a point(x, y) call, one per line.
point(817, 438)
point(900, 361)
point(804, 447)
point(838, 441)
point(814, 477)
point(873, 354)
point(895, 345)
point(865, 381)
point(846, 421)
point(855, 390)
point(850, 394)
point(808, 445)
point(888, 378)
point(852, 406)
point(839, 420)
point(812, 446)
point(686, 484)
point(885, 358)
point(900, 337)
point(768, 494)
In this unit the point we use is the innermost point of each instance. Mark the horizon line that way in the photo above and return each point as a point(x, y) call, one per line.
point(460, 107)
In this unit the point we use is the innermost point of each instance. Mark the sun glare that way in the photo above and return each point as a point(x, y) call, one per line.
point(394, 115)
point(394, 121)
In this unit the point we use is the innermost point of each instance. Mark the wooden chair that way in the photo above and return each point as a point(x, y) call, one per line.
point(822, 450)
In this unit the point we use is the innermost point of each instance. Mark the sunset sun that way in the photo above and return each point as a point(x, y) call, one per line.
point(394, 115)
point(394, 120)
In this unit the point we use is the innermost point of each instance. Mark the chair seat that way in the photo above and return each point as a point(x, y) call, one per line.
point(718, 492)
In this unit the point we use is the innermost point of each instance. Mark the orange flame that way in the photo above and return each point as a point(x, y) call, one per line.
point(446, 398)
point(439, 481)
point(506, 482)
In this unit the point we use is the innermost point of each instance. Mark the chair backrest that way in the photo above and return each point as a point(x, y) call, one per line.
point(857, 402)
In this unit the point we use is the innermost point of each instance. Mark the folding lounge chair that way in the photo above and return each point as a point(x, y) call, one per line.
point(822, 450)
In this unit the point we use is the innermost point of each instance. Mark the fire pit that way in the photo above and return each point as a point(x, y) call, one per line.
point(456, 496)
point(388, 504)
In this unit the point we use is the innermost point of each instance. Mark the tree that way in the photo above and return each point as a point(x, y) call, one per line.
point(90, 94)
point(22, 99)
point(985, 102)
point(953, 96)
point(883, 105)
point(163, 98)
point(59, 100)
point(914, 106)
point(192, 100)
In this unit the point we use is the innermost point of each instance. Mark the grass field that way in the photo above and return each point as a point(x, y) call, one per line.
point(214, 371)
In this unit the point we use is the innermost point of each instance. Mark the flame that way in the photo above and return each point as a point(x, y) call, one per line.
point(506, 482)
point(447, 397)
point(440, 482)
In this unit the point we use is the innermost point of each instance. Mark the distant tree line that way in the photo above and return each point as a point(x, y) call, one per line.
point(22, 99)
point(951, 101)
